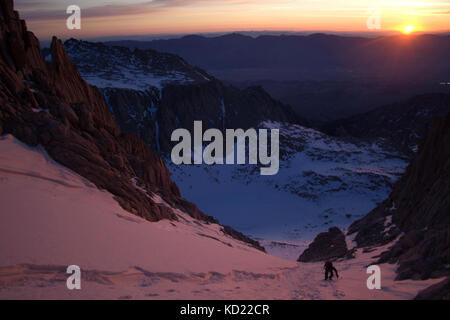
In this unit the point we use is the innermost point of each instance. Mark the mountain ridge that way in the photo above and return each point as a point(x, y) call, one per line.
point(155, 111)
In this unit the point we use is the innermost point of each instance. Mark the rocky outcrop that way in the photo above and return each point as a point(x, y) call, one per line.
point(242, 237)
point(49, 104)
point(376, 228)
point(326, 246)
point(439, 291)
point(416, 212)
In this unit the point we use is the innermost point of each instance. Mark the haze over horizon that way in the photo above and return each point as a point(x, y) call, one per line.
point(122, 18)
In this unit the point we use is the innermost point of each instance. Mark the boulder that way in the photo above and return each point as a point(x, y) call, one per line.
point(326, 246)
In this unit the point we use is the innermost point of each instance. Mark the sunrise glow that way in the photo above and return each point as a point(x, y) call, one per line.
point(408, 29)
point(138, 17)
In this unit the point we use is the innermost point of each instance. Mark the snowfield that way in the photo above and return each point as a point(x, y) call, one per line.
point(51, 218)
point(322, 182)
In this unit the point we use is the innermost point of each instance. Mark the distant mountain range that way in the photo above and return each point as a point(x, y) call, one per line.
point(323, 77)
point(313, 57)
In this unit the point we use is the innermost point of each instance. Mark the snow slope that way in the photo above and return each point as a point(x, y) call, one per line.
point(51, 218)
point(322, 182)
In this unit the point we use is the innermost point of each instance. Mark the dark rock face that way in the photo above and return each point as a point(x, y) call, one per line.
point(375, 228)
point(154, 118)
point(326, 246)
point(51, 105)
point(240, 236)
point(218, 106)
point(403, 124)
point(418, 207)
point(135, 111)
point(439, 291)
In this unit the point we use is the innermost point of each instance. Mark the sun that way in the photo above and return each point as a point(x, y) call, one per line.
point(408, 29)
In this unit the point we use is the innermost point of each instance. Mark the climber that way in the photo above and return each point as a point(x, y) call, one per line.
point(329, 268)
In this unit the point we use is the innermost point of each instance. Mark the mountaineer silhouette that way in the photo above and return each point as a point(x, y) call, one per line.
point(329, 268)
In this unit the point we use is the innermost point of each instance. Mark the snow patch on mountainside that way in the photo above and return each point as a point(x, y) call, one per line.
point(118, 67)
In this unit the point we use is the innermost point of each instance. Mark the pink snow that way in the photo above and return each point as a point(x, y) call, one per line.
point(51, 218)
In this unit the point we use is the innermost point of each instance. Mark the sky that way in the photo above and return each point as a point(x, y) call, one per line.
point(100, 18)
